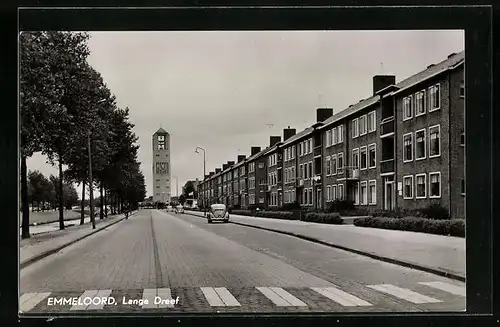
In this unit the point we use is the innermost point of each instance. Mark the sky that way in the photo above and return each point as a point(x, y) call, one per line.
point(226, 91)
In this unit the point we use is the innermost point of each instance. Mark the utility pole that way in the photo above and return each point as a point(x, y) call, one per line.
point(91, 196)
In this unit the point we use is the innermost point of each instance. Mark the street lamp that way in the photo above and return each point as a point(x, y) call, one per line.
point(204, 174)
point(91, 195)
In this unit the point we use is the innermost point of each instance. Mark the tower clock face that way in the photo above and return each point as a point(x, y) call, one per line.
point(161, 138)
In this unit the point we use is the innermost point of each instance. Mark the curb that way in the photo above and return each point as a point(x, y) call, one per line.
point(59, 248)
point(367, 254)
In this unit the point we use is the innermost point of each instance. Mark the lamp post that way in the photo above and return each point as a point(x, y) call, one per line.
point(204, 173)
point(91, 195)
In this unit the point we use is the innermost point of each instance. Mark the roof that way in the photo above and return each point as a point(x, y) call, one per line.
point(161, 131)
point(350, 110)
point(451, 62)
point(299, 135)
point(258, 154)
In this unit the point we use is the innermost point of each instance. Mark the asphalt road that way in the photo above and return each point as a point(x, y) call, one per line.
point(225, 268)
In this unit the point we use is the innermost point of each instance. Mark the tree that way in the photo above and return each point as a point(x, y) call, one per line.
point(188, 188)
point(182, 199)
point(36, 180)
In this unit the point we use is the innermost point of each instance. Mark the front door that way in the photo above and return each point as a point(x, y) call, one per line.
point(389, 196)
point(318, 199)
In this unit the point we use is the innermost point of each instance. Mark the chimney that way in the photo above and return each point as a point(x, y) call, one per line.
point(206, 176)
point(212, 173)
point(382, 81)
point(224, 167)
point(254, 150)
point(230, 164)
point(217, 170)
point(451, 55)
point(323, 114)
point(241, 157)
point(288, 133)
point(273, 140)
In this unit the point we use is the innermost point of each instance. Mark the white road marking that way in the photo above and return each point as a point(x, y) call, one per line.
point(165, 295)
point(86, 294)
point(275, 298)
point(450, 288)
point(101, 294)
point(228, 298)
point(340, 296)
point(212, 297)
point(29, 300)
point(149, 295)
point(404, 294)
point(288, 297)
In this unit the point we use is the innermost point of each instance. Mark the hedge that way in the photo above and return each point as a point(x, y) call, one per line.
point(276, 214)
point(324, 218)
point(452, 227)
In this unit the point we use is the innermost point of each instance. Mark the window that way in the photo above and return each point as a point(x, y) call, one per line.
point(355, 158)
point(161, 146)
point(306, 147)
point(408, 187)
point(333, 193)
point(300, 149)
point(420, 144)
point(333, 164)
point(286, 175)
point(462, 186)
point(407, 113)
point(362, 125)
point(261, 165)
point(341, 191)
point(334, 136)
point(328, 138)
point(293, 151)
point(355, 191)
point(372, 156)
point(328, 166)
point(407, 147)
point(371, 122)
point(419, 103)
point(434, 141)
point(462, 90)
point(462, 138)
point(372, 192)
point(340, 133)
point(310, 145)
point(434, 98)
point(435, 185)
point(364, 193)
point(306, 175)
point(328, 193)
point(310, 196)
point(363, 157)
point(301, 172)
point(340, 163)
point(354, 125)
point(421, 192)
point(304, 195)
point(293, 174)
point(310, 169)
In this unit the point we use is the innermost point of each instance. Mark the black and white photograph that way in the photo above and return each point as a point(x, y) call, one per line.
point(242, 172)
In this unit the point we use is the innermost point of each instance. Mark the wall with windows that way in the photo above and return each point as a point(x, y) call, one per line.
point(289, 173)
point(334, 153)
point(305, 169)
point(422, 151)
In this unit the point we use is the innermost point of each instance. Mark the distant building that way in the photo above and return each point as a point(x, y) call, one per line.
point(161, 166)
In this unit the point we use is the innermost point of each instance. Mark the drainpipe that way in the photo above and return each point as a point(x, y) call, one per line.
point(449, 145)
point(396, 191)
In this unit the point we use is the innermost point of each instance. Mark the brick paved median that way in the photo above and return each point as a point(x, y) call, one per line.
point(443, 255)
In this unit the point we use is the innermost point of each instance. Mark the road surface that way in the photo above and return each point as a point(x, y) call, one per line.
point(221, 267)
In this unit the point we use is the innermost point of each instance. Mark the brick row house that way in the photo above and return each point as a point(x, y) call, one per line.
point(404, 146)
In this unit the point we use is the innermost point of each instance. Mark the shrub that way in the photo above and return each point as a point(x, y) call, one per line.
point(453, 227)
point(291, 206)
point(341, 206)
point(242, 212)
point(324, 218)
point(275, 214)
point(435, 211)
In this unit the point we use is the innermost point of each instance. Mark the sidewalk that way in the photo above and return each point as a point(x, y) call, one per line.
point(443, 255)
point(41, 245)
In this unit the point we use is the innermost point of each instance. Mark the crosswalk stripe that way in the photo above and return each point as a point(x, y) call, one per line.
point(288, 297)
point(404, 294)
point(85, 294)
point(275, 298)
point(212, 297)
point(101, 294)
point(29, 300)
point(450, 288)
point(148, 297)
point(228, 299)
point(166, 295)
point(340, 296)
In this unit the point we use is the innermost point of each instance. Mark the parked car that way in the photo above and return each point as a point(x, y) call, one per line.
point(169, 208)
point(179, 209)
point(218, 211)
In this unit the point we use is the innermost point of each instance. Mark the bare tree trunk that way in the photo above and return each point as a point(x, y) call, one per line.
point(82, 205)
point(60, 197)
point(105, 203)
point(25, 233)
point(101, 215)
